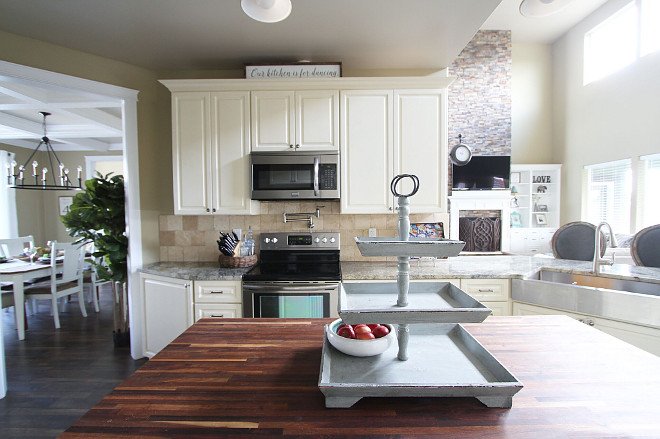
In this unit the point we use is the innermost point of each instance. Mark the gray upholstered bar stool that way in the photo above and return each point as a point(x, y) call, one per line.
point(576, 241)
point(645, 247)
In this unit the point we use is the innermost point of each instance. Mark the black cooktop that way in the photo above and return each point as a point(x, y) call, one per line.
point(296, 266)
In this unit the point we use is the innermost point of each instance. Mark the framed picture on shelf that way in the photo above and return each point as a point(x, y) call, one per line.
point(542, 207)
point(541, 219)
point(516, 219)
point(427, 230)
point(515, 177)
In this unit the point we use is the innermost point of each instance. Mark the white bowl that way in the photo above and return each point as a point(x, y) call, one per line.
point(358, 348)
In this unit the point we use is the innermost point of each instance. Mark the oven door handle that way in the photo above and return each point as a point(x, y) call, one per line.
point(288, 288)
point(316, 176)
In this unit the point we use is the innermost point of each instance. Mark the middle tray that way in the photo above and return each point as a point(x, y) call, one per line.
point(428, 302)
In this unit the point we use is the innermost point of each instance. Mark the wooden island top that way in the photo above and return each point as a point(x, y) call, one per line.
point(259, 377)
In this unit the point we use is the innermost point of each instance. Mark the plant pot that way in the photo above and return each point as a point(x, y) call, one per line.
point(121, 339)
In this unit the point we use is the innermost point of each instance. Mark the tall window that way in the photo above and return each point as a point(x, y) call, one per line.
point(609, 191)
point(624, 37)
point(650, 179)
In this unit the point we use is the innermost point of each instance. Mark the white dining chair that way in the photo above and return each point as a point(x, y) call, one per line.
point(12, 247)
point(66, 278)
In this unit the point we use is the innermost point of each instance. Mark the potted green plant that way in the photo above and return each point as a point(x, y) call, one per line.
point(97, 215)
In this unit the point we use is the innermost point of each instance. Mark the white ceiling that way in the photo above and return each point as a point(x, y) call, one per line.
point(167, 35)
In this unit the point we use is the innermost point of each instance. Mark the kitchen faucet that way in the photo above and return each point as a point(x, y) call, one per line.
point(309, 217)
point(598, 261)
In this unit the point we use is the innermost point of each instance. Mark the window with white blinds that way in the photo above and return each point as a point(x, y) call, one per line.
point(609, 192)
point(650, 176)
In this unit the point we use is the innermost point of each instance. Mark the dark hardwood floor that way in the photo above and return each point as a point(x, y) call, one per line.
point(55, 375)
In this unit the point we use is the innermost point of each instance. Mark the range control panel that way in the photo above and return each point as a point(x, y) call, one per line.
point(300, 241)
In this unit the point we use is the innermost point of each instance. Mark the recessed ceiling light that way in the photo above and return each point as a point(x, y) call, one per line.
point(542, 8)
point(267, 11)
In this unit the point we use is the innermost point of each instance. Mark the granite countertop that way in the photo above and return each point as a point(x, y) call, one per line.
point(489, 267)
point(474, 267)
point(194, 270)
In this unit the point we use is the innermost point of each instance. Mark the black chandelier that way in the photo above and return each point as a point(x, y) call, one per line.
point(17, 179)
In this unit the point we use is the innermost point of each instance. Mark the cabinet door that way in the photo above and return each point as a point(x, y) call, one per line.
point(367, 162)
point(317, 120)
point(272, 120)
point(167, 310)
point(191, 153)
point(231, 153)
point(420, 147)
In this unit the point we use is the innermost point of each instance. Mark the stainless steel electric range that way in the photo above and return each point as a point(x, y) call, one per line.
point(298, 276)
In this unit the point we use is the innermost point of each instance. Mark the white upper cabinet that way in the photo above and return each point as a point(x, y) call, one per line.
point(295, 120)
point(367, 155)
point(390, 132)
point(191, 152)
point(210, 149)
point(420, 147)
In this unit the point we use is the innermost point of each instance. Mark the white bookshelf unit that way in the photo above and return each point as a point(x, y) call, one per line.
point(535, 203)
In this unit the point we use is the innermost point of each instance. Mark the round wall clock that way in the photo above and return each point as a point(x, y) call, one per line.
point(460, 154)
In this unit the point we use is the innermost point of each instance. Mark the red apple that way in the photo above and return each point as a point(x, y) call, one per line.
point(365, 336)
point(372, 326)
point(346, 332)
point(360, 329)
point(380, 331)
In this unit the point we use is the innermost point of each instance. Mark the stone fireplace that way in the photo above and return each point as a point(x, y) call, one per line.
point(481, 219)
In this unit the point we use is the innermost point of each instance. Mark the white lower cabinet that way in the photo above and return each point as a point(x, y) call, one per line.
point(168, 310)
point(172, 305)
point(643, 337)
point(218, 299)
point(493, 293)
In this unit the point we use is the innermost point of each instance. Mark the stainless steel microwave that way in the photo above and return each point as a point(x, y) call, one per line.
point(294, 175)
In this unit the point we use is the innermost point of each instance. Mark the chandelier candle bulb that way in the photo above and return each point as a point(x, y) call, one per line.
point(21, 170)
point(34, 168)
point(79, 173)
point(43, 178)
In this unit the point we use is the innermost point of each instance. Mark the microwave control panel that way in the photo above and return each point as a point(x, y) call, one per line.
point(328, 177)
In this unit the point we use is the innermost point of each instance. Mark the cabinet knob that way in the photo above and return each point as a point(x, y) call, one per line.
point(186, 285)
point(291, 146)
point(214, 209)
point(208, 210)
point(486, 290)
point(297, 145)
point(217, 292)
point(217, 315)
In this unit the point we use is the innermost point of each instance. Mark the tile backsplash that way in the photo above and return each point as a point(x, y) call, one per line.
point(192, 238)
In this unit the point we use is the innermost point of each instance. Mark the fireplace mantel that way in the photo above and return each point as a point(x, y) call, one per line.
point(481, 200)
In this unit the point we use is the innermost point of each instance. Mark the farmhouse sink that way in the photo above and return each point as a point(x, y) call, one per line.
point(627, 300)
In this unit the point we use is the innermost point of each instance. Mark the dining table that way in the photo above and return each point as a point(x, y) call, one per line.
point(17, 272)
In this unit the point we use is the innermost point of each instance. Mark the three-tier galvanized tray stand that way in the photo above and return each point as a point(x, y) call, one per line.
point(436, 356)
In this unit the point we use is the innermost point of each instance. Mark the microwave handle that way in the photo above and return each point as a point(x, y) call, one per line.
point(316, 176)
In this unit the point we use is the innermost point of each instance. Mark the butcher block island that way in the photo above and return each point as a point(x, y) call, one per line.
point(259, 377)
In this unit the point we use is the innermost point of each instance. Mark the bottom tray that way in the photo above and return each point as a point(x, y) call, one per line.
point(444, 361)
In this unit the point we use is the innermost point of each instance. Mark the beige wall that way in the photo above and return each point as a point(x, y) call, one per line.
point(610, 119)
point(153, 128)
point(531, 104)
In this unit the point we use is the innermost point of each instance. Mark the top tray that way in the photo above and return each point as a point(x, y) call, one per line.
point(422, 247)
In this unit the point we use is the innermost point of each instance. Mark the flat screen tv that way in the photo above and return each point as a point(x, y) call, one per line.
point(482, 173)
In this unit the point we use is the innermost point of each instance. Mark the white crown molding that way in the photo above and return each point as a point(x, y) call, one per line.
point(353, 83)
